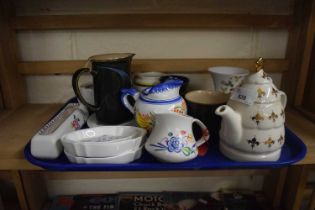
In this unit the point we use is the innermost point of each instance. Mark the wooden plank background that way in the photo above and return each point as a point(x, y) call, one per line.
point(12, 83)
point(163, 65)
point(175, 21)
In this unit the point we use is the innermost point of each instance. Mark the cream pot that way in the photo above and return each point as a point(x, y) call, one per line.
point(163, 97)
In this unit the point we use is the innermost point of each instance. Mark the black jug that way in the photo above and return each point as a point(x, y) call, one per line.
point(111, 73)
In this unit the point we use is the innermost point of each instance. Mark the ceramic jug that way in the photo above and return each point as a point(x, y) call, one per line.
point(252, 127)
point(172, 139)
point(163, 97)
point(111, 73)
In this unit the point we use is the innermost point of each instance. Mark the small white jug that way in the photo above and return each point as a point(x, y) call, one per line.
point(172, 139)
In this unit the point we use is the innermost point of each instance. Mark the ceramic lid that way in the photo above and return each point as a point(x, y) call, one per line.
point(259, 77)
point(257, 88)
point(168, 90)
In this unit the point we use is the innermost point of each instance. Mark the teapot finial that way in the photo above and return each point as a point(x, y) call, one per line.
point(259, 64)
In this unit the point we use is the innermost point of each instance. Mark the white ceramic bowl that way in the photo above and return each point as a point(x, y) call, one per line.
point(126, 157)
point(103, 141)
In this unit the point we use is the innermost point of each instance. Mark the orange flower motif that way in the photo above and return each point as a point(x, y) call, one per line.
point(190, 137)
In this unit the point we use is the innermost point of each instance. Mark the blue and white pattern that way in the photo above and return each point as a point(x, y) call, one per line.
point(170, 84)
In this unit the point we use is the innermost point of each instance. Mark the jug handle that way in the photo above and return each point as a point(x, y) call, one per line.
point(283, 98)
point(124, 98)
point(205, 133)
point(75, 85)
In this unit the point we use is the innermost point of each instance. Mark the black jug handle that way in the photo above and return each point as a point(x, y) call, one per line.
point(75, 85)
point(124, 77)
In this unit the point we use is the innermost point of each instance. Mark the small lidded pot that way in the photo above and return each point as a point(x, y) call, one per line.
point(252, 126)
point(163, 97)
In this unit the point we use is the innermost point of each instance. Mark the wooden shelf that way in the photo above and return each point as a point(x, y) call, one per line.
point(163, 65)
point(21, 124)
point(305, 129)
point(127, 21)
point(16, 129)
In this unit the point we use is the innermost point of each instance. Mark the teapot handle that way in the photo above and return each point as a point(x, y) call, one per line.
point(205, 133)
point(124, 98)
point(283, 98)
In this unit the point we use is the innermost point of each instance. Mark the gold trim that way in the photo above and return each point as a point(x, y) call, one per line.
point(107, 57)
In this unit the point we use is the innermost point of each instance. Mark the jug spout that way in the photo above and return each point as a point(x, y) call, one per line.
point(231, 128)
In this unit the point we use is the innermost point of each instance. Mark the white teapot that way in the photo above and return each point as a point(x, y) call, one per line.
point(252, 126)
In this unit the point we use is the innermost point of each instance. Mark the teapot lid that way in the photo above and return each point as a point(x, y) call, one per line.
point(258, 78)
point(257, 88)
point(168, 90)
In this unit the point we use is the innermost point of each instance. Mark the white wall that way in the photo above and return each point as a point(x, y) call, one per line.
point(80, 44)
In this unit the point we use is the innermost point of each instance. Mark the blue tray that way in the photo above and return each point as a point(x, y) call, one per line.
point(293, 151)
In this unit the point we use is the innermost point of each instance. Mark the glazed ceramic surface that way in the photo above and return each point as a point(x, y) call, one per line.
point(172, 139)
point(111, 73)
point(163, 97)
point(148, 78)
point(123, 158)
point(92, 122)
point(202, 105)
point(104, 141)
point(253, 121)
point(226, 78)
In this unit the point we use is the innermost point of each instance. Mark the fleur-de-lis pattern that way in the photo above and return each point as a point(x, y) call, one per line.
point(282, 113)
point(257, 118)
point(253, 142)
point(260, 93)
point(281, 140)
point(274, 92)
point(269, 142)
point(273, 116)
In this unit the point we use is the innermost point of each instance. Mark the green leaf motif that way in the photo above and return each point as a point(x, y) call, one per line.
point(187, 151)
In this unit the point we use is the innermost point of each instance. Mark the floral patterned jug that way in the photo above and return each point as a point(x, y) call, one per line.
point(172, 139)
point(252, 126)
point(163, 97)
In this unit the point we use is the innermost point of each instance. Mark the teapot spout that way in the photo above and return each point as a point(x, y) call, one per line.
point(231, 124)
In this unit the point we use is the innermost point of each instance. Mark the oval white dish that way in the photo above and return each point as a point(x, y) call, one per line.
point(123, 158)
point(104, 141)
